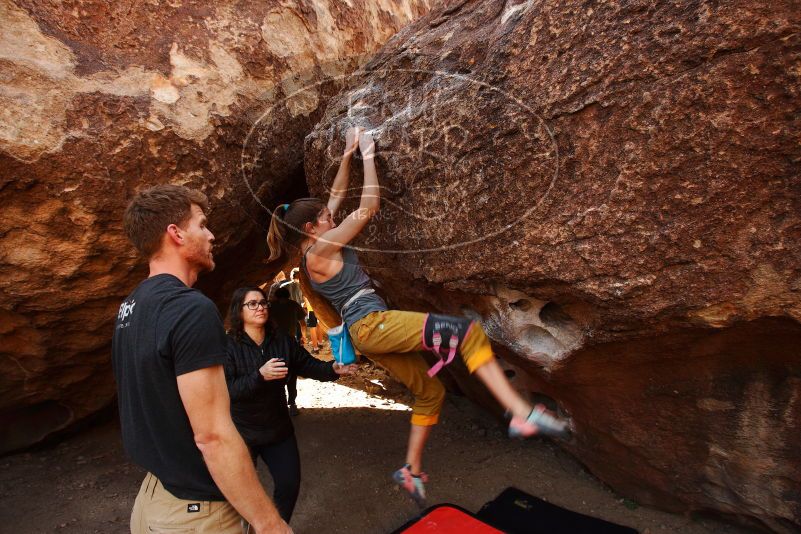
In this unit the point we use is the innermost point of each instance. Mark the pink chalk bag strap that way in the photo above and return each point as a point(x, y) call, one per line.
point(439, 327)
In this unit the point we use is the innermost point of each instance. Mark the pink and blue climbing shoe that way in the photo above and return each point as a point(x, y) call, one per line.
point(540, 422)
point(414, 484)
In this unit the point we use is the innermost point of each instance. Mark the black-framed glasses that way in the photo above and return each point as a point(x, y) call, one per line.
point(254, 304)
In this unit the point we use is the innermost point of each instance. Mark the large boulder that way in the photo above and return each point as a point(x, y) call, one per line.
point(614, 189)
point(99, 100)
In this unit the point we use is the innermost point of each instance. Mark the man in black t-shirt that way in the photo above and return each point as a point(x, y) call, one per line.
point(167, 353)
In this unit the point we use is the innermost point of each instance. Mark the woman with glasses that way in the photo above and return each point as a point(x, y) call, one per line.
point(392, 338)
point(258, 360)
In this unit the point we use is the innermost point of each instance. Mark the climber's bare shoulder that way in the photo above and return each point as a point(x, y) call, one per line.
point(323, 263)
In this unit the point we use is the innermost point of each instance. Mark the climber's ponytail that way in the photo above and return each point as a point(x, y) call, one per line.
point(286, 225)
point(275, 236)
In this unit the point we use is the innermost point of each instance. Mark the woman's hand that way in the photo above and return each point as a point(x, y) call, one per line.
point(345, 369)
point(366, 145)
point(274, 369)
point(351, 141)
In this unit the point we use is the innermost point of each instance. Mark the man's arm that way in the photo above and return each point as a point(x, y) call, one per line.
point(205, 398)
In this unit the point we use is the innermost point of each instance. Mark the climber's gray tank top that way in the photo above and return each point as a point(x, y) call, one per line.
point(339, 289)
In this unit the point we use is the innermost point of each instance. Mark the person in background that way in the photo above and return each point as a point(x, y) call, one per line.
point(278, 279)
point(293, 286)
point(168, 351)
point(259, 359)
point(311, 328)
point(288, 317)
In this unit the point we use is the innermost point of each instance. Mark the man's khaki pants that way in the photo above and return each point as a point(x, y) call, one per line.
point(158, 510)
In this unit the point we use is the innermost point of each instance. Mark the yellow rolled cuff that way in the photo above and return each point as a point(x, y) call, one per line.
point(424, 420)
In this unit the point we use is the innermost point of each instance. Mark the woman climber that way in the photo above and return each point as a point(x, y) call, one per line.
point(392, 338)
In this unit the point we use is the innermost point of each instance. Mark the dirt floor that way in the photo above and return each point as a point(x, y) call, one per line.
point(352, 435)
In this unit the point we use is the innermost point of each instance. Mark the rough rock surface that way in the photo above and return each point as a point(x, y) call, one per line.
point(614, 188)
point(99, 100)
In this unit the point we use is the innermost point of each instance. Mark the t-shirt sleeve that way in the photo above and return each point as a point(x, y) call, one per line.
point(197, 338)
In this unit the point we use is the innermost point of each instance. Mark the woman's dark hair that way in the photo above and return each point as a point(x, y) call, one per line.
point(235, 325)
point(286, 225)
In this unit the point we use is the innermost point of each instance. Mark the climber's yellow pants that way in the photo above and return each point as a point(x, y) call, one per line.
point(394, 339)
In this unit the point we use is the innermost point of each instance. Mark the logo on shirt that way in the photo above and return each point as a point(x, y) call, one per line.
point(194, 507)
point(126, 309)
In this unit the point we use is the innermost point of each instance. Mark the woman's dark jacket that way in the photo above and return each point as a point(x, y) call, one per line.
point(258, 406)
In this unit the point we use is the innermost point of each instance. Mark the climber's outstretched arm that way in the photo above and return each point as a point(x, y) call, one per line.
point(339, 189)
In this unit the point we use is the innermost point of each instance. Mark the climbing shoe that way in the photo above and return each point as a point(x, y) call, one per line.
point(414, 484)
point(540, 422)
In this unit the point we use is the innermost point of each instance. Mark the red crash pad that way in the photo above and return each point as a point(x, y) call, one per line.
point(446, 519)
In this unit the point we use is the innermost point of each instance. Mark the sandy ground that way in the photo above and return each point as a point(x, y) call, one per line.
point(350, 442)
